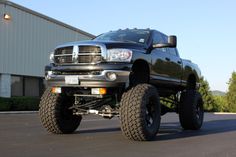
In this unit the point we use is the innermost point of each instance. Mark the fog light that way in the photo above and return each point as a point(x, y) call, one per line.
point(56, 90)
point(100, 91)
point(111, 76)
point(50, 73)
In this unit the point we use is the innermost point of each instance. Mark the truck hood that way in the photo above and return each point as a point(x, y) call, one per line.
point(108, 44)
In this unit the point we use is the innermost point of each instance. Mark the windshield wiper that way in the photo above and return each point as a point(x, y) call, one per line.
point(129, 41)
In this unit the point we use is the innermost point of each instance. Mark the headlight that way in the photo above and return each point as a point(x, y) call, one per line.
point(119, 55)
point(51, 57)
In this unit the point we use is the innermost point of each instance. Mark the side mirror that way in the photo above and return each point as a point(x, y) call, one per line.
point(172, 42)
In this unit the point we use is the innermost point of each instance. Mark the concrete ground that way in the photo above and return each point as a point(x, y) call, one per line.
point(22, 135)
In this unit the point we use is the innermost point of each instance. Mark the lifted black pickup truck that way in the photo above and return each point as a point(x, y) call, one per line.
point(130, 73)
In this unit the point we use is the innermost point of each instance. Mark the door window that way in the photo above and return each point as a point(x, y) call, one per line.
point(158, 39)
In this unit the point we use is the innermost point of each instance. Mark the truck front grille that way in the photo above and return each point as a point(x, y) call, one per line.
point(89, 49)
point(86, 55)
point(89, 59)
point(63, 55)
point(63, 59)
point(89, 54)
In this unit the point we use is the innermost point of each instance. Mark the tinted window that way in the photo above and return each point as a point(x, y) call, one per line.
point(31, 86)
point(16, 86)
point(173, 51)
point(157, 38)
point(165, 38)
point(26, 86)
point(129, 35)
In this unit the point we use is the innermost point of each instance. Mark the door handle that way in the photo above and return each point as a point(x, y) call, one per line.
point(168, 59)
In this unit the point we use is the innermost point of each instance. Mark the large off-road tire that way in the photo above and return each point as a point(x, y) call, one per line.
point(140, 113)
point(191, 113)
point(55, 115)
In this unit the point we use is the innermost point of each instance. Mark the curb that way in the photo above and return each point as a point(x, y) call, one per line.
point(18, 112)
point(229, 113)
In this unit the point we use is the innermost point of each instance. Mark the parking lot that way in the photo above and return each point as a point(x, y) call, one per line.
point(23, 135)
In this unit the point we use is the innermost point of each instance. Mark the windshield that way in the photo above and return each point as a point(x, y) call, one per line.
point(129, 35)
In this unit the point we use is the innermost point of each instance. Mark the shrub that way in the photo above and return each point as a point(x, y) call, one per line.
point(4, 104)
point(19, 104)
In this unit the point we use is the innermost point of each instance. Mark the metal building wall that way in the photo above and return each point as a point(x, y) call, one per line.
point(27, 39)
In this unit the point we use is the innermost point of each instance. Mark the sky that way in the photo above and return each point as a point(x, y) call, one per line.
point(206, 29)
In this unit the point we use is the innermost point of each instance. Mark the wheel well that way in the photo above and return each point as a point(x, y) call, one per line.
point(140, 72)
point(191, 83)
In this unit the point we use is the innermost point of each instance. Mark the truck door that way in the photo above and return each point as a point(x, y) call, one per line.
point(175, 65)
point(160, 60)
point(166, 63)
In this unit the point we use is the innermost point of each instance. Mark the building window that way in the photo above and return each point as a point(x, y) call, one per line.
point(26, 86)
point(17, 86)
point(31, 86)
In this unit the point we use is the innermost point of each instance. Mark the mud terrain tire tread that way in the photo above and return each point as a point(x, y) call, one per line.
point(51, 114)
point(133, 111)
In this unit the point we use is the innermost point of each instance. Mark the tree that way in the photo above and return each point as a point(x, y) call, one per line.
point(208, 99)
point(231, 94)
point(221, 103)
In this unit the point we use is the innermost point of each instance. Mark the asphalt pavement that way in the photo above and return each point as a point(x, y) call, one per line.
point(21, 135)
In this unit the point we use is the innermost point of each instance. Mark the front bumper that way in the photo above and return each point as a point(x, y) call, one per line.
point(99, 80)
